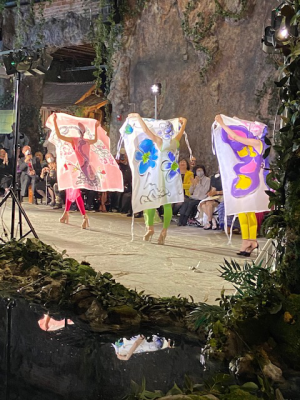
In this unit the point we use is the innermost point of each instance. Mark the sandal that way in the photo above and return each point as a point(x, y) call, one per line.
point(208, 226)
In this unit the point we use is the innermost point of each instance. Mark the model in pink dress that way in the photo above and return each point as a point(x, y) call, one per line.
point(81, 148)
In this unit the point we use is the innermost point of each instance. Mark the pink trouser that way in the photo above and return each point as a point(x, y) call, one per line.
point(78, 198)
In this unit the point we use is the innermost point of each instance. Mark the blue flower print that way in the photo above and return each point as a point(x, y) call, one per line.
point(171, 166)
point(166, 130)
point(148, 154)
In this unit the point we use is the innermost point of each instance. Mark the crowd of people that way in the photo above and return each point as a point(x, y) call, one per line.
point(202, 204)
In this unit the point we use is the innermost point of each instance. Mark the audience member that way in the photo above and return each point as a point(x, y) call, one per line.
point(193, 163)
point(198, 191)
point(30, 168)
point(117, 201)
point(5, 171)
point(215, 197)
point(40, 156)
point(187, 176)
point(48, 179)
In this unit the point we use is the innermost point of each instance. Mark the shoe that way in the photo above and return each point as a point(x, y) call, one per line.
point(57, 206)
point(52, 204)
point(138, 215)
point(129, 215)
point(248, 253)
point(214, 225)
point(148, 236)
point(162, 238)
point(85, 223)
point(208, 226)
point(65, 218)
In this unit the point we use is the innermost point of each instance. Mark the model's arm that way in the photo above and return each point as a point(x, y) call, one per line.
point(132, 349)
point(57, 131)
point(248, 142)
point(157, 140)
point(93, 141)
point(183, 122)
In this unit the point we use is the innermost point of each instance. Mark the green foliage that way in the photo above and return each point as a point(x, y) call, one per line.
point(257, 292)
point(203, 27)
point(21, 257)
point(220, 385)
point(283, 223)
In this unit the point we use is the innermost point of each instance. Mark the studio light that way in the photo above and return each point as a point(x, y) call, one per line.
point(283, 34)
point(27, 61)
point(280, 29)
point(156, 88)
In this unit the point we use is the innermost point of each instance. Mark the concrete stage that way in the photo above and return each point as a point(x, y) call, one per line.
point(158, 270)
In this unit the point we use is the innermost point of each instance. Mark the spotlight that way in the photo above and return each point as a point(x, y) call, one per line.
point(27, 61)
point(283, 34)
point(280, 29)
point(156, 89)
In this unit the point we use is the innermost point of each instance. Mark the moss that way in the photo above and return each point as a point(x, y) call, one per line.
point(238, 395)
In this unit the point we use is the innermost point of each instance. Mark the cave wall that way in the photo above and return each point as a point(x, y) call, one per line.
point(238, 82)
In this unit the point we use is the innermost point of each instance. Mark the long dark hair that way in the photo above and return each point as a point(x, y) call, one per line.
point(187, 163)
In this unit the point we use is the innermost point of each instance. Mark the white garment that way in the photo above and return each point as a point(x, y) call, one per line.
point(257, 200)
point(156, 178)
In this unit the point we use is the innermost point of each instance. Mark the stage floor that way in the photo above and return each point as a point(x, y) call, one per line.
point(158, 270)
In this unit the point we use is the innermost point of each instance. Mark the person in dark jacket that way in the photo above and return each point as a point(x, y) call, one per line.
point(30, 168)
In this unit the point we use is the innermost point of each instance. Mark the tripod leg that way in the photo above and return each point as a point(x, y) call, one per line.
point(22, 212)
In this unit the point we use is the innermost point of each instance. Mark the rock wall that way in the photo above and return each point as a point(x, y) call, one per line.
point(156, 49)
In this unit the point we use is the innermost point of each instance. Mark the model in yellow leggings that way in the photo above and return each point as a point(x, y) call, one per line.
point(248, 223)
point(149, 214)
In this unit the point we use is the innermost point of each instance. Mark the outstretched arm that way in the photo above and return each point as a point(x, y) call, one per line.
point(57, 131)
point(132, 349)
point(157, 140)
point(248, 142)
point(183, 122)
point(93, 141)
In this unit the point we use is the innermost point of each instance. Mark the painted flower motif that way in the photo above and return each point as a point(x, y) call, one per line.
point(166, 130)
point(147, 156)
point(128, 129)
point(171, 166)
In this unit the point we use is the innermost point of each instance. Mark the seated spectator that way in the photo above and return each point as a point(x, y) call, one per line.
point(221, 213)
point(30, 168)
point(121, 201)
point(215, 197)
point(40, 156)
point(187, 176)
point(48, 178)
point(6, 171)
point(193, 163)
point(198, 191)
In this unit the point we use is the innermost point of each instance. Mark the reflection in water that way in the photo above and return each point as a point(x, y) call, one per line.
point(50, 324)
point(124, 348)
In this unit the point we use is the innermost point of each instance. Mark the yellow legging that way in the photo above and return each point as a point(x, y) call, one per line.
point(248, 223)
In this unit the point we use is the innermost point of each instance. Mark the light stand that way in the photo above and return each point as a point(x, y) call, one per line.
point(156, 90)
point(30, 63)
point(13, 190)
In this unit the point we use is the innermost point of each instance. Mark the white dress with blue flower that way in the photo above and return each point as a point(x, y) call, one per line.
point(156, 177)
